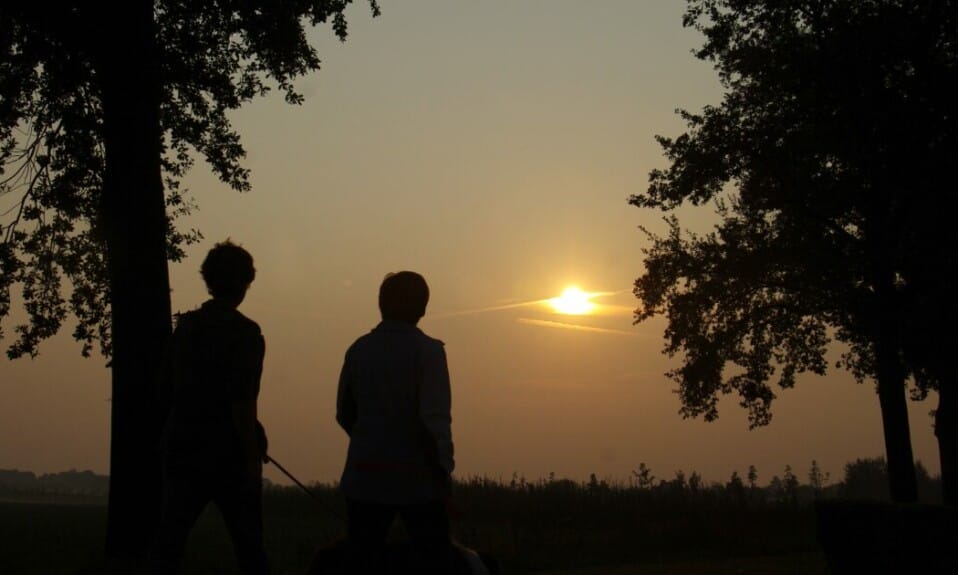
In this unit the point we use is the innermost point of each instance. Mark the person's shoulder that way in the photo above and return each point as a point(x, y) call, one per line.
point(184, 317)
point(366, 337)
point(246, 324)
point(185, 320)
point(218, 317)
point(430, 343)
point(429, 340)
point(361, 342)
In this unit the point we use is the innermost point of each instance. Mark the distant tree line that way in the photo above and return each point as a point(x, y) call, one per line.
point(865, 478)
point(14, 482)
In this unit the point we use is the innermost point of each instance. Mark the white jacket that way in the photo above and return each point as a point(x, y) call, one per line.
point(394, 401)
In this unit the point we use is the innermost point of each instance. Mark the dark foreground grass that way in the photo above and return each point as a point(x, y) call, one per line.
point(791, 564)
point(57, 538)
point(47, 537)
point(550, 527)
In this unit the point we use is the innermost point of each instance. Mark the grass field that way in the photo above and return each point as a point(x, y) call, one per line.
point(790, 564)
point(550, 528)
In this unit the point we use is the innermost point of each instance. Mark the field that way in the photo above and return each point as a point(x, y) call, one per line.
point(554, 527)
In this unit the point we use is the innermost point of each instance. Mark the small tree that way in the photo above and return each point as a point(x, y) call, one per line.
point(643, 477)
point(790, 485)
point(866, 479)
point(817, 479)
point(695, 483)
point(776, 489)
point(735, 489)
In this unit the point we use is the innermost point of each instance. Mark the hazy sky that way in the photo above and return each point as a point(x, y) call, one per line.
point(491, 146)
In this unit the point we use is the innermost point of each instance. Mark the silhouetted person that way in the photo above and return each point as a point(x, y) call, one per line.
point(213, 446)
point(394, 402)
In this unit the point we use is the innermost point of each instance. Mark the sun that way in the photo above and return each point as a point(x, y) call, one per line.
point(573, 301)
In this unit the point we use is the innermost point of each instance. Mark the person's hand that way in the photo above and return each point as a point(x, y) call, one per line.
point(262, 441)
point(445, 482)
point(453, 511)
point(254, 466)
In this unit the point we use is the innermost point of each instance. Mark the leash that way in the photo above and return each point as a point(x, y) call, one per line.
point(308, 491)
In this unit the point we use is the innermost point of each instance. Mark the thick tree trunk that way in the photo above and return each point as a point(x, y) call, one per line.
point(894, 407)
point(882, 235)
point(947, 433)
point(901, 463)
point(134, 220)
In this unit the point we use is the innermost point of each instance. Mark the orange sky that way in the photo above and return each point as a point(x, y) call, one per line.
point(492, 147)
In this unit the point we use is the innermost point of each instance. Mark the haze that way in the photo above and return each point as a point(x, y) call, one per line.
point(490, 146)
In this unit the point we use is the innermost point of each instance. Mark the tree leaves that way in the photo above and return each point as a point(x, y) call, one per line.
point(816, 161)
point(214, 57)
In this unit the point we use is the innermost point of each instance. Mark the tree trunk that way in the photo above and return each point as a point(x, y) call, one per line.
point(901, 463)
point(882, 236)
point(134, 221)
point(894, 407)
point(947, 433)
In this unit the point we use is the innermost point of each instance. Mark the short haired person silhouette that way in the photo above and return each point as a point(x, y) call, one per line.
point(394, 403)
point(213, 446)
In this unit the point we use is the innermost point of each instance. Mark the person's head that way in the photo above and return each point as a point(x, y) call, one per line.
point(403, 296)
point(228, 271)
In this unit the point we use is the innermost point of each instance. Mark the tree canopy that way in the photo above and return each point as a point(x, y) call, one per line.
point(828, 162)
point(211, 58)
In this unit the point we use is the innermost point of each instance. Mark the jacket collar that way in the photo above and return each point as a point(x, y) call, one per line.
point(396, 325)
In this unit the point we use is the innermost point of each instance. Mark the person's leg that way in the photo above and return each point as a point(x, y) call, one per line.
point(185, 494)
point(368, 525)
point(240, 501)
point(428, 528)
point(328, 559)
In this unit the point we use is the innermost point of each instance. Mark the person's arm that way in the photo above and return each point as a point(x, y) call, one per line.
point(249, 369)
point(244, 421)
point(346, 411)
point(435, 405)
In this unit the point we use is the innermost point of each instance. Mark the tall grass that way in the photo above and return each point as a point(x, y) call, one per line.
point(557, 524)
point(543, 525)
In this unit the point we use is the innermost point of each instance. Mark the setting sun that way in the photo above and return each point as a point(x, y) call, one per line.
point(573, 301)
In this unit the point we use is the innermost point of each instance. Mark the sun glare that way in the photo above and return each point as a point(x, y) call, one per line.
point(573, 301)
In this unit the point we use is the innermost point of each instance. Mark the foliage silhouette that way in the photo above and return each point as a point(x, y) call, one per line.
point(830, 148)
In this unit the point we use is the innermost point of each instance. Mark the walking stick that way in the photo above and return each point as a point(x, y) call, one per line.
point(308, 491)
